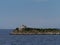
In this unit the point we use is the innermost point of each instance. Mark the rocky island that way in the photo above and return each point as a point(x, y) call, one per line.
point(24, 30)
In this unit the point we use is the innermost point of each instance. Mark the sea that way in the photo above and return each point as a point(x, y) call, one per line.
point(7, 39)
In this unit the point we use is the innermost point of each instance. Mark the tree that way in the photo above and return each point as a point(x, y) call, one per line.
point(17, 29)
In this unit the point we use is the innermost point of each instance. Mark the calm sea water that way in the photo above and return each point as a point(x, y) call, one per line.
point(6, 39)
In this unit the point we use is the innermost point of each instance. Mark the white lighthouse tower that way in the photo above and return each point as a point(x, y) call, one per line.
point(22, 27)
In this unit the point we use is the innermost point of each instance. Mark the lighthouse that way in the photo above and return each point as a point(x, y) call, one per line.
point(22, 27)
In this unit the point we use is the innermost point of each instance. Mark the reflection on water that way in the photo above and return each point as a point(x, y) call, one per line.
point(6, 39)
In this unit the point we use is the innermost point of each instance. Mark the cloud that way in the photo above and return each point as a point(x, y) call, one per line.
point(40, 0)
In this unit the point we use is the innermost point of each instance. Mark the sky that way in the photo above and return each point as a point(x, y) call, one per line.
point(32, 13)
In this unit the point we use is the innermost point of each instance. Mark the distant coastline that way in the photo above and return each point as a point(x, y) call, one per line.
point(24, 30)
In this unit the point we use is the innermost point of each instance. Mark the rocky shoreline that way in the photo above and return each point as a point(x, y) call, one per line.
point(34, 34)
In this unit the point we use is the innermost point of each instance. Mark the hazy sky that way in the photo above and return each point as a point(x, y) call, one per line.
point(33, 13)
